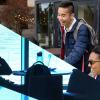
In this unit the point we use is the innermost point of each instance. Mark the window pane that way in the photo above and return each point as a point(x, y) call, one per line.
point(86, 12)
point(45, 20)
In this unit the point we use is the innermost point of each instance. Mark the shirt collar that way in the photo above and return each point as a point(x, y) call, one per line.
point(68, 29)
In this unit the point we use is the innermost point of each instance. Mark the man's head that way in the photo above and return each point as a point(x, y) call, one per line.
point(65, 13)
point(94, 60)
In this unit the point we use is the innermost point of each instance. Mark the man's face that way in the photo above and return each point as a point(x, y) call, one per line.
point(94, 63)
point(64, 16)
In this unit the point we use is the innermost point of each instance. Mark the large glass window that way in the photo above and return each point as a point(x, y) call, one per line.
point(45, 24)
point(86, 12)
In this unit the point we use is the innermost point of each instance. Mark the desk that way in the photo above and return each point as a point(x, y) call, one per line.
point(41, 87)
point(65, 74)
point(7, 94)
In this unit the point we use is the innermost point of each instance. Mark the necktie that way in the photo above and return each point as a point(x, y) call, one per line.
point(62, 42)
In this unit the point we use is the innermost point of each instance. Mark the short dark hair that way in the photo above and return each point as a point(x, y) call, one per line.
point(67, 4)
point(96, 50)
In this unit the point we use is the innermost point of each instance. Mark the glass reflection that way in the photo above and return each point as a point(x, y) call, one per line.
point(10, 50)
point(44, 24)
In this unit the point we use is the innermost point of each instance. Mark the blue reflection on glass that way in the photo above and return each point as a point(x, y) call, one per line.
point(53, 62)
point(10, 50)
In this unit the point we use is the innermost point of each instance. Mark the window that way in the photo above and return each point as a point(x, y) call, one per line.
point(44, 22)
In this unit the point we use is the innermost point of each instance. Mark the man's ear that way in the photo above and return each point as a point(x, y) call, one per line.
point(72, 15)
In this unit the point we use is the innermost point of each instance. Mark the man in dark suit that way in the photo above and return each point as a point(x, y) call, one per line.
point(85, 86)
point(94, 62)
